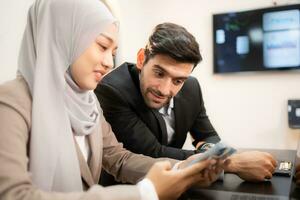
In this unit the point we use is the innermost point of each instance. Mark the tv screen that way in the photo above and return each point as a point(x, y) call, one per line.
point(257, 40)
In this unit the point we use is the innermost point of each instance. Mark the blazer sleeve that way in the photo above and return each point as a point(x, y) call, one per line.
point(202, 129)
point(130, 129)
point(15, 181)
point(124, 165)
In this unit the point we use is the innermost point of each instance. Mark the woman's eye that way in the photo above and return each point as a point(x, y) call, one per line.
point(103, 47)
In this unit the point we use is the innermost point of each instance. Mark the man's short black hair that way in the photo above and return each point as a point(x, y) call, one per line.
point(174, 41)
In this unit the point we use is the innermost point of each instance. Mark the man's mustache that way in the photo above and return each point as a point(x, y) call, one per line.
point(158, 93)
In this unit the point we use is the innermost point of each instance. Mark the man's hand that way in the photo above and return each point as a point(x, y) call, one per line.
point(251, 165)
point(170, 184)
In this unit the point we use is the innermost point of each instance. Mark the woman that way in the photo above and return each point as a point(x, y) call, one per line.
point(53, 134)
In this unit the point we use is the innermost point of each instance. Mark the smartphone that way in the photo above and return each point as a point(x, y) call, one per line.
point(284, 168)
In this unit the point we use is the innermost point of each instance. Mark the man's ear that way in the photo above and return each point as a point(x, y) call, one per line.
point(140, 59)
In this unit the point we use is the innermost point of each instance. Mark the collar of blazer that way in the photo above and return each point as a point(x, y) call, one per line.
point(90, 172)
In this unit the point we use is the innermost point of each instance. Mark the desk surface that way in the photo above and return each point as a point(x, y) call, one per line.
point(278, 185)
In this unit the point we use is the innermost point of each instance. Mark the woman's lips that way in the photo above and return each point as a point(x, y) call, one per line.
point(98, 75)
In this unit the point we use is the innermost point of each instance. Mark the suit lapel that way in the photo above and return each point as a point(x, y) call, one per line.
point(151, 116)
point(180, 122)
point(163, 128)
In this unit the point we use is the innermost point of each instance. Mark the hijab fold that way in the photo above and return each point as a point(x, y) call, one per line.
point(56, 34)
point(82, 108)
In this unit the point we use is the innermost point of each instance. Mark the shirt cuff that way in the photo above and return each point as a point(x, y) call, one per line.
point(221, 176)
point(147, 190)
point(176, 166)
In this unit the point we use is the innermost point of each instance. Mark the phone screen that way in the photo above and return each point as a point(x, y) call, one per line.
point(284, 168)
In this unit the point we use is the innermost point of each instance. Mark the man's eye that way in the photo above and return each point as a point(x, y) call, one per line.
point(178, 82)
point(159, 74)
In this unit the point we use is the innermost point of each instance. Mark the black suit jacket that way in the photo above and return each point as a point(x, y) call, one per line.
point(142, 129)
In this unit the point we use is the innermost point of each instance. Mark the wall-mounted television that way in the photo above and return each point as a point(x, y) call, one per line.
point(257, 40)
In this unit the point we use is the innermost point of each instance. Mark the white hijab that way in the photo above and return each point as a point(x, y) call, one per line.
point(56, 34)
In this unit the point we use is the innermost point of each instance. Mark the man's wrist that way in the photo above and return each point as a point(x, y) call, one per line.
point(198, 144)
point(230, 166)
point(204, 147)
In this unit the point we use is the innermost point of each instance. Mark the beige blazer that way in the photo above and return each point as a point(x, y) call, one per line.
point(106, 152)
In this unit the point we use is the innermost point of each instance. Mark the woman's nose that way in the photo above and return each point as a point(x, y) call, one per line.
point(108, 61)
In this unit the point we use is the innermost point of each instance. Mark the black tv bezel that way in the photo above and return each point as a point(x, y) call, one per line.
point(265, 9)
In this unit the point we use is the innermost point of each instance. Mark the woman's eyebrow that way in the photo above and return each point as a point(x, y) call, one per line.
point(107, 37)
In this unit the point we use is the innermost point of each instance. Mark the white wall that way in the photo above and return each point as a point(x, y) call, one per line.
point(13, 15)
point(247, 109)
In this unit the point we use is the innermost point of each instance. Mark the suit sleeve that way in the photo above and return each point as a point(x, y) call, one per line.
point(130, 129)
point(202, 129)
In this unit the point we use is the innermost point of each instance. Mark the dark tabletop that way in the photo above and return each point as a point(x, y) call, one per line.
point(278, 185)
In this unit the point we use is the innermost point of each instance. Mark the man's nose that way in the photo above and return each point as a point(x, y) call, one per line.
point(166, 87)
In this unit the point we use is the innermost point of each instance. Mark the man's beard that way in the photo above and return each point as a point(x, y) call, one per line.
point(157, 93)
point(144, 91)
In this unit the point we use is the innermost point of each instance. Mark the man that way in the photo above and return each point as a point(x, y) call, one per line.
point(152, 105)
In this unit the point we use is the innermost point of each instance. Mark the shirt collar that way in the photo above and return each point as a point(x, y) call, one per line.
point(167, 109)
